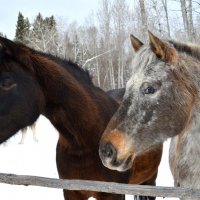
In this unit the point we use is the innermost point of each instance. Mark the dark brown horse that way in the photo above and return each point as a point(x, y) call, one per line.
point(33, 83)
point(162, 100)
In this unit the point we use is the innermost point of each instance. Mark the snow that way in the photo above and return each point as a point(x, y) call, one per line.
point(38, 159)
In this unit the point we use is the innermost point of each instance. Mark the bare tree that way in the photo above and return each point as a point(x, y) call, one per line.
point(165, 6)
point(144, 19)
point(184, 12)
point(158, 15)
point(121, 14)
point(187, 15)
point(190, 21)
point(43, 35)
point(104, 19)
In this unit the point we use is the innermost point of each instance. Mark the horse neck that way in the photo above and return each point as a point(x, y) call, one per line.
point(79, 111)
point(183, 150)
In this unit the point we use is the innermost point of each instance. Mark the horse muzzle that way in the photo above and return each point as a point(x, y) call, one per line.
point(115, 151)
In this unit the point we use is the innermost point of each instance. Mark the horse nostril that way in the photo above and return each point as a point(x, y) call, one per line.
point(108, 151)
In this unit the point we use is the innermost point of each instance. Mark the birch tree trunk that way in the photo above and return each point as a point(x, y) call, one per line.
point(191, 24)
point(104, 18)
point(165, 6)
point(158, 15)
point(184, 12)
point(144, 19)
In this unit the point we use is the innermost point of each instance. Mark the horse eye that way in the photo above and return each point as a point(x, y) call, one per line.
point(149, 90)
point(7, 83)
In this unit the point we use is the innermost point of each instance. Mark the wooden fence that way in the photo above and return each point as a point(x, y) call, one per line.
point(108, 187)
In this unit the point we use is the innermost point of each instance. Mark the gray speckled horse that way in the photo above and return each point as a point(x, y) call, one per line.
point(162, 100)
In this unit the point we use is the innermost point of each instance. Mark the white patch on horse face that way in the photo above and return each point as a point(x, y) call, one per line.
point(135, 81)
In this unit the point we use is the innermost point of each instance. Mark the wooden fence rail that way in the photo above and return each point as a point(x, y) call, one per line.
point(108, 187)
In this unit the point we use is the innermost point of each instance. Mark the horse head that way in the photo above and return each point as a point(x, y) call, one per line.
point(20, 95)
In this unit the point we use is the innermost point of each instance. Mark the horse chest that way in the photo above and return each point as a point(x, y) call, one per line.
point(186, 162)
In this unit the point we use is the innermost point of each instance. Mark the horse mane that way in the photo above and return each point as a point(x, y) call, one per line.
point(73, 68)
point(188, 48)
point(184, 73)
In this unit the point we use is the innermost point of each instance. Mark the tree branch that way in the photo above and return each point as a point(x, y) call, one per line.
point(107, 187)
point(196, 2)
point(90, 59)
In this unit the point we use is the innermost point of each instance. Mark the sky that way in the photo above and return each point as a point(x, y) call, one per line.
point(66, 10)
point(70, 10)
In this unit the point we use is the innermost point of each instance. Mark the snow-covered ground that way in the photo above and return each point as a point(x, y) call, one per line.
point(38, 159)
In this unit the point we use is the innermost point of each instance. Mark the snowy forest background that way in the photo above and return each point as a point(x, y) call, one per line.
point(102, 46)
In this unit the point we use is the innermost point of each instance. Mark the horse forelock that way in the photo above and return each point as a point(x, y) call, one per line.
point(143, 62)
point(142, 59)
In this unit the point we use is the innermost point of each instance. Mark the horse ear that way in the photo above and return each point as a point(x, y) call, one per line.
point(162, 49)
point(136, 43)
